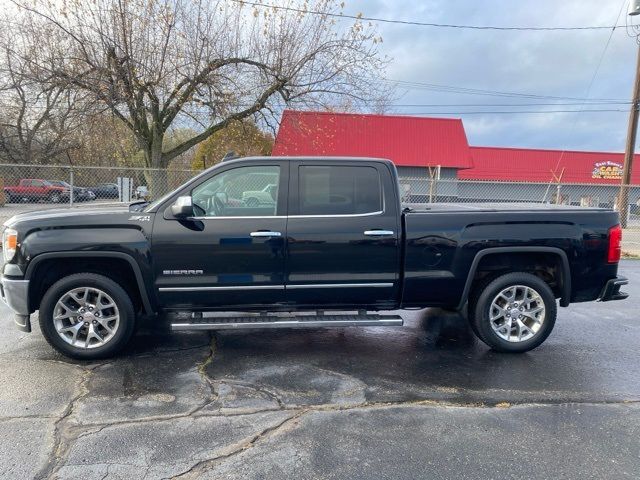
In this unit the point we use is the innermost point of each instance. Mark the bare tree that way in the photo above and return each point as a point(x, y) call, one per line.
point(104, 140)
point(201, 64)
point(36, 119)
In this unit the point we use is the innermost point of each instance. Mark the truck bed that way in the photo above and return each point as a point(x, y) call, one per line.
point(495, 207)
point(443, 241)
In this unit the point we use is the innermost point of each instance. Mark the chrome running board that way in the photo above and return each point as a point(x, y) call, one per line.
point(203, 321)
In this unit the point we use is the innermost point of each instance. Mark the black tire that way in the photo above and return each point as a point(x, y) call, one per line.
point(55, 197)
point(480, 308)
point(122, 301)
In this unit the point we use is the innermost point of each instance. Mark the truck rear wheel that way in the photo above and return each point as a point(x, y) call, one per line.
point(87, 316)
point(514, 313)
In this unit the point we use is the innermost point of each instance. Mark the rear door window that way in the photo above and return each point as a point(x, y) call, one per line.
point(339, 190)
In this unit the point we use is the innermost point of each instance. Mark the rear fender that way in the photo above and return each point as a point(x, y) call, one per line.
point(564, 262)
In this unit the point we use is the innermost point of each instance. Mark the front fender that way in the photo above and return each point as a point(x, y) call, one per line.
point(129, 244)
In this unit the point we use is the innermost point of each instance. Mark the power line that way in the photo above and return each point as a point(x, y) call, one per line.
point(520, 112)
point(591, 82)
point(491, 93)
point(416, 105)
point(509, 105)
point(421, 24)
point(8, 94)
point(483, 112)
point(415, 23)
point(604, 52)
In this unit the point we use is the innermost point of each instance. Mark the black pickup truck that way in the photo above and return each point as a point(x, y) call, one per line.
point(302, 242)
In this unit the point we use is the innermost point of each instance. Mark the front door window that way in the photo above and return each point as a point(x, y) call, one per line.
point(250, 191)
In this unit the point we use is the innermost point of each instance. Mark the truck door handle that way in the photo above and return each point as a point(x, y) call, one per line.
point(378, 233)
point(265, 233)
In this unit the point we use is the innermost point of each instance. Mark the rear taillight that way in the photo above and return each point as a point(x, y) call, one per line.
point(615, 244)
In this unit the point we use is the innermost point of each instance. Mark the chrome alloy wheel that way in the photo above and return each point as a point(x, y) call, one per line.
point(517, 313)
point(86, 317)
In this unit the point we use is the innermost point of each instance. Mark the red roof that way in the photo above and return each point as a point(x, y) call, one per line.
point(411, 141)
point(535, 165)
point(407, 141)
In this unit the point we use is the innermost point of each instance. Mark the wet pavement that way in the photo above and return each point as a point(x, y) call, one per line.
point(423, 400)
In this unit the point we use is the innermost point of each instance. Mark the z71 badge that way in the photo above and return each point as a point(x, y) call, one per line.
point(140, 218)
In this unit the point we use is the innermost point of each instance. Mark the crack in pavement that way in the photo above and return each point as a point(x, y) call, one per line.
point(60, 447)
point(202, 466)
point(66, 434)
point(92, 429)
point(463, 397)
point(202, 371)
point(202, 367)
point(252, 386)
point(66, 437)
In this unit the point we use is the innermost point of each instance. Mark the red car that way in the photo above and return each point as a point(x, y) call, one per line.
point(34, 189)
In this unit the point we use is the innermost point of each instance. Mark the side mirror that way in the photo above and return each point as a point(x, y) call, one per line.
point(183, 207)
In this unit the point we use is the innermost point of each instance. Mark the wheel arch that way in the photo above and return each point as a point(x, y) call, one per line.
point(86, 257)
point(565, 271)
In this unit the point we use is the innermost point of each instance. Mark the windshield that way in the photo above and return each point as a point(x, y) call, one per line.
point(56, 183)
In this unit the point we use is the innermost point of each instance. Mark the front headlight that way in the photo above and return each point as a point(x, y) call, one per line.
point(9, 244)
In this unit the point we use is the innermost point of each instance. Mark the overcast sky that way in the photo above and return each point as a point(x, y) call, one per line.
point(559, 64)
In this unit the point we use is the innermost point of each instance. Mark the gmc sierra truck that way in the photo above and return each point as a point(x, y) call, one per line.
point(334, 248)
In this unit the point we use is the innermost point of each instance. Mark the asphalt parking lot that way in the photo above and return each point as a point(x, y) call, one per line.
point(421, 401)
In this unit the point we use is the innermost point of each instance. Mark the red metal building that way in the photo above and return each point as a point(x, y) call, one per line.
point(422, 142)
point(407, 141)
point(536, 165)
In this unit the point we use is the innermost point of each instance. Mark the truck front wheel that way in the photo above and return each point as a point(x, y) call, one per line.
point(87, 316)
point(513, 313)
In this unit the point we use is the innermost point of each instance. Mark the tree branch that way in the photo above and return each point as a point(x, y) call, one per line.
point(258, 105)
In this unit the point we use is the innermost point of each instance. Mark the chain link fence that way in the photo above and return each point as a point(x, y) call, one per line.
point(433, 190)
point(37, 187)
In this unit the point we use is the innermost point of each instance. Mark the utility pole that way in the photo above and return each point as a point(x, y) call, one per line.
point(558, 180)
point(623, 200)
point(632, 131)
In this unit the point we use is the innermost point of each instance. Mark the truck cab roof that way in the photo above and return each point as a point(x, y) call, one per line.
point(309, 158)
